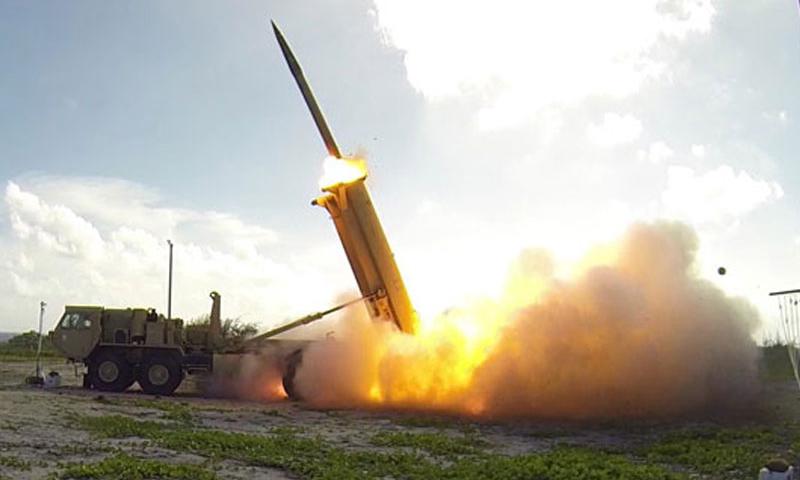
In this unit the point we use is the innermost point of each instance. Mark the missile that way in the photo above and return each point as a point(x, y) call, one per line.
point(308, 94)
point(358, 226)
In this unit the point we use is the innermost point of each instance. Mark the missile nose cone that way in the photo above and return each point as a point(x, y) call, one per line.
point(275, 29)
point(305, 90)
point(287, 52)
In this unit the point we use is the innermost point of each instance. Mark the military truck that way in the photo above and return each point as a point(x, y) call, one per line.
point(123, 346)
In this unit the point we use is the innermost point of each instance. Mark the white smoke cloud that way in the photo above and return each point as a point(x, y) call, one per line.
point(517, 57)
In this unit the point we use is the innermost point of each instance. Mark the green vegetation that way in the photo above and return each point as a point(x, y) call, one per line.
point(24, 345)
point(775, 365)
point(9, 426)
point(425, 422)
point(234, 331)
point(734, 453)
point(314, 458)
point(175, 411)
point(125, 467)
point(433, 443)
point(562, 463)
point(15, 463)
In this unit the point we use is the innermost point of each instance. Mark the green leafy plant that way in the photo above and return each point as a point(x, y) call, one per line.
point(126, 467)
point(735, 453)
point(433, 443)
point(15, 463)
point(314, 458)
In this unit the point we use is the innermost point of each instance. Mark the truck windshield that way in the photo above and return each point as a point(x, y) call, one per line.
point(71, 321)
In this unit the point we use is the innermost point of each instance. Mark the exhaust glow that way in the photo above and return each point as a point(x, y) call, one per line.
point(635, 334)
point(337, 171)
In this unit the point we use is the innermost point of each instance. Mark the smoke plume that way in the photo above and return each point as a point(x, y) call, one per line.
point(247, 376)
point(635, 333)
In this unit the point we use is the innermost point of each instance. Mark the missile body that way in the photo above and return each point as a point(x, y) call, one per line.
point(308, 94)
point(357, 223)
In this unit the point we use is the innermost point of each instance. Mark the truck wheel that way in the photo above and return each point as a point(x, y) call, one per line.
point(292, 362)
point(110, 371)
point(160, 374)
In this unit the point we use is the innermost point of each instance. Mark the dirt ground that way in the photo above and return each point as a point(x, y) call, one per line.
point(42, 435)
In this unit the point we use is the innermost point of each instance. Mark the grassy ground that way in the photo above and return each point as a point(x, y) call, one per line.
point(426, 455)
point(11, 354)
point(70, 433)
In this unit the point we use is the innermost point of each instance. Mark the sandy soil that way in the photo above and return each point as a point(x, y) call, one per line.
point(38, 425)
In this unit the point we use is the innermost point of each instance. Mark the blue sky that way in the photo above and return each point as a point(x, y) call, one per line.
point(503, 126)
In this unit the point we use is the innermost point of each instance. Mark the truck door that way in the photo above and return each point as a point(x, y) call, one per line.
point(77, 334)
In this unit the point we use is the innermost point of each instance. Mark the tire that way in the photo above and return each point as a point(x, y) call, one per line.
point(110, 371)
point(292, 362)
point(160, 374)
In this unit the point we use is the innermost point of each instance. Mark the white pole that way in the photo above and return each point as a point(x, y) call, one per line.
point(169, 287)
point(42, 304)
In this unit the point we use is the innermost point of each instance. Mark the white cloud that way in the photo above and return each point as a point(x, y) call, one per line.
point(428, 207)
point(780, 117)
point(614, 130)
point(114, 253)
point(715, 196)
point(517, 57)
point(656, 153)
point(699, 151)
point(53, 227)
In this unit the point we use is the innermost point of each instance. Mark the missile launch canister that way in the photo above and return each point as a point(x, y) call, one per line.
point(357, 223)
point(368, 251)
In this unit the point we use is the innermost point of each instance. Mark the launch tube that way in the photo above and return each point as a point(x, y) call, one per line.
point(369, 254)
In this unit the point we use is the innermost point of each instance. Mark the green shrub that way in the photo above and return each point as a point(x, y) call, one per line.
point(24, 345)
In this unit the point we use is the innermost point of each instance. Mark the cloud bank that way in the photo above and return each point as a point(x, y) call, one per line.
point(103, 241)
point(516, 57)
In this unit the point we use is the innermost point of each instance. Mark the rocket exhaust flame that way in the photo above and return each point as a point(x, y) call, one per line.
point(337, 171)
point(635, 335)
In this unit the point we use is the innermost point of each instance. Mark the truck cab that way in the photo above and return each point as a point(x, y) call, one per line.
point(78, 332)
point(123, 346)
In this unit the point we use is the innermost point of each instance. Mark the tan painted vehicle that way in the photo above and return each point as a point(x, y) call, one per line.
point(123, 346)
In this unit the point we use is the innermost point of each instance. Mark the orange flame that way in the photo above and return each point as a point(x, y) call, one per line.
point(337, 171)
point(634, 333)
point(437, 367)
